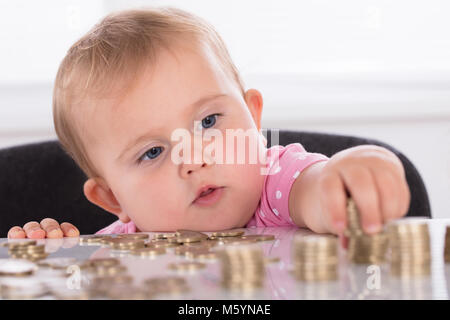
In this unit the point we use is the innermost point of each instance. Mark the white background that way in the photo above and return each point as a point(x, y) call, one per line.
point(377, 69)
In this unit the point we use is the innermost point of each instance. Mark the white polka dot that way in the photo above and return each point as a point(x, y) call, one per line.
point(296, 174)
point(281, 265)
point(275, 211)
point(262, 213)
point(271, 163)
point(277, 242)
point(278, 194)
point(277, 169)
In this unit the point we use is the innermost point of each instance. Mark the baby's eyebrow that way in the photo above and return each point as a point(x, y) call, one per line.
point(148, 135)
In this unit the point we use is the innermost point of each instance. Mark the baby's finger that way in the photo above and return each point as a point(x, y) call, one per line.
point(362, 188)
point(51, 227)
point(69, 230)
point(33, 230)
point(389, 193)
point(16, 233)
point(333, 201)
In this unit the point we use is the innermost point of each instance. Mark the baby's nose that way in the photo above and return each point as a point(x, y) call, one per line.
point(189, 168)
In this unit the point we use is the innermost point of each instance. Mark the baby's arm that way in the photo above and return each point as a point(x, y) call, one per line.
point(48, 228)
point(373, 176)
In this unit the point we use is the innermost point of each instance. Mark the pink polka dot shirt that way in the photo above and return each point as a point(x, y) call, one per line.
point(284, 166)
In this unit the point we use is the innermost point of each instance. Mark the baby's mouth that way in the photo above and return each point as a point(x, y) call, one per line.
point(205, 191)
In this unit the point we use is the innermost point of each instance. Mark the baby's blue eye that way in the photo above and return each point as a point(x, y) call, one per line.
point(152, 153)
point(209, 121)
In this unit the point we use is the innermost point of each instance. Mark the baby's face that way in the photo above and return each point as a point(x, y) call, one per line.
point(141, 181)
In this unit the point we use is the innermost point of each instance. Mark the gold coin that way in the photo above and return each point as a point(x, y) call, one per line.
point(259, 237)
point(186, 266)
point(109, 271)
point(135, 236)
point(228, 233)
point(30, 248)
point(190, 236)
point(12, 267)
point(165, 281)
point(164, 235)
point(164, 244)
point(148, 251)
point(125, 244)
point(207, 255)
point(19, 244)
point(104, 262)
point(91, 239)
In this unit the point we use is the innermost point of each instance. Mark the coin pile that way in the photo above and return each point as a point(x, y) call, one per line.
point(28, 250)
point(92, 240)
point(363, 248)
point(409, 240)
point(315, 258)
point(447, 245)
point(242, 267)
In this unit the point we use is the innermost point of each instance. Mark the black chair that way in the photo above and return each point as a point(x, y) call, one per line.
point(40, 180)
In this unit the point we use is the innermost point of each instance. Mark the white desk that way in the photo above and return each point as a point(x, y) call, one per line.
point(279, 283)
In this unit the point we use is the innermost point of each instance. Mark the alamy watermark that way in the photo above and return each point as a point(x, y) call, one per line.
point(248, 142)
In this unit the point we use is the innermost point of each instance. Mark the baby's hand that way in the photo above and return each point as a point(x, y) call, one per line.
point(375, 178)
point(48, 228)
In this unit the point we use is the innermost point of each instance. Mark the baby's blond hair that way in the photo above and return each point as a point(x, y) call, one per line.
point(116, 50)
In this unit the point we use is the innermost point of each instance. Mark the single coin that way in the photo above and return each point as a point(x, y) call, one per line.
point(259, 237)
point(135, 236)
point(104, 262)
point(228, 233)
point(12, 267)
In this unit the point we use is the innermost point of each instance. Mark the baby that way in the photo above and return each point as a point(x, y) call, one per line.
point(139, 81)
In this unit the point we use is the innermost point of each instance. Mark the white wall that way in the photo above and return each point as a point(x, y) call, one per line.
point(378, 69)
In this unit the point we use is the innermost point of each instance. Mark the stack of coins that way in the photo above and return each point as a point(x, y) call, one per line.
point(363, 248)
point(243, 267)
point(16, 268)
point(447, 245)
point(92, 240)
point(315, 258)
point(28, 250)
point(409, 240)
point(187, 236)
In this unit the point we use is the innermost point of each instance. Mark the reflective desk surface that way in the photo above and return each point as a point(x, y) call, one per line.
point(354, 281)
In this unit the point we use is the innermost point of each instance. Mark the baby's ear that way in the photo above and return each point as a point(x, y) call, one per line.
point(254, 101)
point(97, 191)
